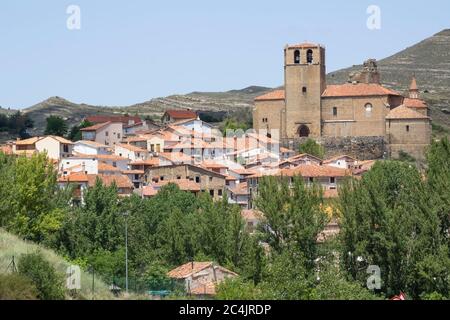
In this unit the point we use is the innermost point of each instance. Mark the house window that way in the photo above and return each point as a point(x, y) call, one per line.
point(210, 179)
point(311, 179)
point(335, 111)
point(158, 148)
point(114, 164)
point(297, 56)
point(219, 192)
point(152, 148)
point(136, 177)
point(178, 177)
point(161, 178)
point(211, 193)
point(118, 135)
point(309, 56)
point(66, 148)
point(407, 128)
point(107, 133)
point(304, 90)
point(332, 180)
point(197, 179)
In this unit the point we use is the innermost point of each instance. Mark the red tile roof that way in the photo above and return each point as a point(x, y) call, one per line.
point(103, 119)
point(358, 90)
point(251, 214)
point(414, 103)
point(190, 268)
point(131, 147)
point(121, 181)
point(74, 177)
point(181, 114)
point(403, 112)
point(96, 126)
point(273, 95)
point(107, 167)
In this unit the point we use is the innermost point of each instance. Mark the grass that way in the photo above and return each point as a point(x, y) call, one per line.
point(11, 245)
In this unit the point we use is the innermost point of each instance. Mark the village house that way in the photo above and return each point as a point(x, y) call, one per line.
point(183, 184)
point(57, 148)
point(209, 181)
point(252, 219)
point(239, 194)
point(107, 133)
point(200, 278)
point(82, 182)
point(90, 164)
point(25, 147)
point(342, 161)
point(327, 177)
point(177, 115)
point(90, 147)
point(130, 152)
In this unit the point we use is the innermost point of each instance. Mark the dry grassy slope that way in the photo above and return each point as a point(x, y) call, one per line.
point(11, 245)
point(429, 60)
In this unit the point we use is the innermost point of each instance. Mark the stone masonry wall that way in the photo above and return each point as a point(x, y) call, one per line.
point(362, 148)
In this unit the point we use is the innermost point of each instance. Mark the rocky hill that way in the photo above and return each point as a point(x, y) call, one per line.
point(429, 60)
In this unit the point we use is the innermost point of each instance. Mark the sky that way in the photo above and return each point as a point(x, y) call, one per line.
point(127, 52)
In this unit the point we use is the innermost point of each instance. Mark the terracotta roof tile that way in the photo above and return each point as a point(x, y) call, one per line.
point(131, 147)
point(403, 112)
point(74, 177)
point(103, 119)
point(29, 141)
point(96, 127)
point(121, 181)
point(103, 167)
point(273, 95)
point(358, 90)
point(251, 214)
point(182, 114)
point(415, 103)
point(187, 269)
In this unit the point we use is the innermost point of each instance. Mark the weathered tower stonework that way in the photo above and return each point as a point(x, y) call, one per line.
point(304, 84)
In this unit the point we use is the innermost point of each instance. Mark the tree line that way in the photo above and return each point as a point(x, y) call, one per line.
point(395, 217)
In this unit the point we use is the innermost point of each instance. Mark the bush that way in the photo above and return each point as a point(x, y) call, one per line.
point(313, 148)
point(42, 274)
point(17, 287)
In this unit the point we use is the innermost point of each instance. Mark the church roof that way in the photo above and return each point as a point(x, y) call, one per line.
point(358, 90)
point(403, 112)
point(414, 103)
point(272, 95)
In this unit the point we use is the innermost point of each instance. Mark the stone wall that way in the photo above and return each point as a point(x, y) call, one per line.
point(362, 148)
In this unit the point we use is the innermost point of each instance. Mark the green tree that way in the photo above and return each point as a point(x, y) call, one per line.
point(293, 215)
point(43, 275)
point(56, 126)
point(388, 221)
point(438, 178)
point(32, 198)
point(311, 147)
point(75, 131)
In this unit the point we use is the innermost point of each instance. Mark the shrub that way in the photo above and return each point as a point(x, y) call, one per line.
point(17, 287)
point(42, 274)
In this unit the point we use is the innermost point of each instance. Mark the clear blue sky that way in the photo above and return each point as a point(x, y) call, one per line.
point(130, 51)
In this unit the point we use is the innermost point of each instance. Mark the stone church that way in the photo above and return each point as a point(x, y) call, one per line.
point(363, 107)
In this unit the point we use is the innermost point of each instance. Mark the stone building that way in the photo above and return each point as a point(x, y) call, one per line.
point(361, 108)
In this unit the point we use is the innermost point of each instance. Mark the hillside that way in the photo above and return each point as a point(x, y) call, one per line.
point(11, 245)
point(201, 101)
point(429, 60)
